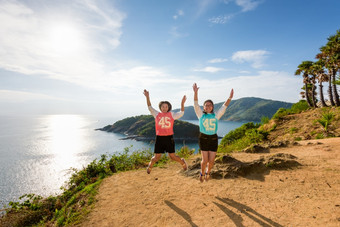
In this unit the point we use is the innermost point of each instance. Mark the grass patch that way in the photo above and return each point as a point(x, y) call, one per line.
point(293, 130)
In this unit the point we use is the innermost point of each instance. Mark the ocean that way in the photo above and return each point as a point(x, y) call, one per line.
point(37, 152)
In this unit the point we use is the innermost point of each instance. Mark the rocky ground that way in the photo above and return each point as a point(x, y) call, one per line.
point(297, 185)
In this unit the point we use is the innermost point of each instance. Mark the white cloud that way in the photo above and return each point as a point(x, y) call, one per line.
point(218, 60)
point(255, 57)
point(247, 5)
point(210, 69)
point(178, 14)
point(220, 19)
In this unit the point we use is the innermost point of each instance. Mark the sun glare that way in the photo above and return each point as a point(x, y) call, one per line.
point(64, 39)
point(67, 138)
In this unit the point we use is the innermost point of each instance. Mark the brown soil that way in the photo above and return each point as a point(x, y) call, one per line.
point(303, 126)
point(307, 194)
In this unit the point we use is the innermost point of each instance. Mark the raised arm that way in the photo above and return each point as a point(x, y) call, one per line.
point(182, 103)
point(195, 88)
point(226, 103)
point(146, 93)
point(197, 108)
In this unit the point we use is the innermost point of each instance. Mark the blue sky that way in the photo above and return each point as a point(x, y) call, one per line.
point(96, 57)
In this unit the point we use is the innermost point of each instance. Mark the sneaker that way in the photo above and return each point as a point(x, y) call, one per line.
point(184, 165)
point(202, 177)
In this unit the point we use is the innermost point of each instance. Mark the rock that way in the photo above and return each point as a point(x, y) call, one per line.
point(256, 148)
point(227, 166)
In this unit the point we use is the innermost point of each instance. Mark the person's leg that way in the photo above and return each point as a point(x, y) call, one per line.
point(204, 162)
point(176, 158)
point(154, 159)
point(211, 162)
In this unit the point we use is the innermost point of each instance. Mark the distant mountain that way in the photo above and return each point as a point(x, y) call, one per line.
point(244, 109)
point(143, 128)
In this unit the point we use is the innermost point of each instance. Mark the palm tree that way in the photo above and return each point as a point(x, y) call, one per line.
point(305, 69)
point(321, 76)
point(324, 57)
point(330, 54)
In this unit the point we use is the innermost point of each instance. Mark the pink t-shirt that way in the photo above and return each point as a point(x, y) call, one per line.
point(165, 121)
point(164, 124)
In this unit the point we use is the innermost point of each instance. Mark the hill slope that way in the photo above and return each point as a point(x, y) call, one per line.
point(244, 109)
point(304, 126)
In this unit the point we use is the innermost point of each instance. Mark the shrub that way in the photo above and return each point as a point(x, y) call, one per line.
point(237, 133)
point(185, 152)
point(242, 137)
point(300, 106)
point(265, 120)
point(326, 119)
point(280, 113)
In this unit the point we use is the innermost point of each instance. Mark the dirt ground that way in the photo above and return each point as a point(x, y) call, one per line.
point(308, 195)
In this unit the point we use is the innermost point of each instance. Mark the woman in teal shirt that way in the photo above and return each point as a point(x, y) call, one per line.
point(208, 123)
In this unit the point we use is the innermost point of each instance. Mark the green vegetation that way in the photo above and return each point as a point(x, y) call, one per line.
point(265, 120)
point(249, 134)
point(293, 130)
point(296, 108)
point(326, 119)
point(185, 152)
point(242, 137)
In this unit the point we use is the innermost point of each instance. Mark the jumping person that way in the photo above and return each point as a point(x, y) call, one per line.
point(208, 123)
point(164, 124)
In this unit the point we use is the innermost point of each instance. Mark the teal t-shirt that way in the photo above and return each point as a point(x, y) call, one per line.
point(208, 124)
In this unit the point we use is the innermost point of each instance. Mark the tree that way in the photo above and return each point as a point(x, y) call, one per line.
point(305, 69)
point(321, 76)
point(330, 54)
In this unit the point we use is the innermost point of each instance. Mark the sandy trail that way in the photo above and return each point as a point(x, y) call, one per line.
point(305, 196)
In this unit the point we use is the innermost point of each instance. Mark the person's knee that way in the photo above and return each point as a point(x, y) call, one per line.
point(156, 158)
point(211, 163)
point(204, 162)
point(173, 156)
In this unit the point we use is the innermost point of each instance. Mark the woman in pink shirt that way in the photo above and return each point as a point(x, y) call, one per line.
point(164, 125)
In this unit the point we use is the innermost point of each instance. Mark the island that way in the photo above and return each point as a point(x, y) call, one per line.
point(142, 128)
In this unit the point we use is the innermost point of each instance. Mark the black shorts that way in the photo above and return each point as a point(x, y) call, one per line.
point(208, 142)
point(164, 144)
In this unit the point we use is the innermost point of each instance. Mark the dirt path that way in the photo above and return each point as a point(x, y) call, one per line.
point(305, 196)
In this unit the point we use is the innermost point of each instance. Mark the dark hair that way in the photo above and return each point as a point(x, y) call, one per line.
point(166, 102)
point(209, 100)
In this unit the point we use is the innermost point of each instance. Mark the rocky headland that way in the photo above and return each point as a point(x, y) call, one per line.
point(142, 128)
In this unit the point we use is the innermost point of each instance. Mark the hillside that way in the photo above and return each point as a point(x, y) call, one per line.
point(143, 128)
point(303, 126)
point(244, 109)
